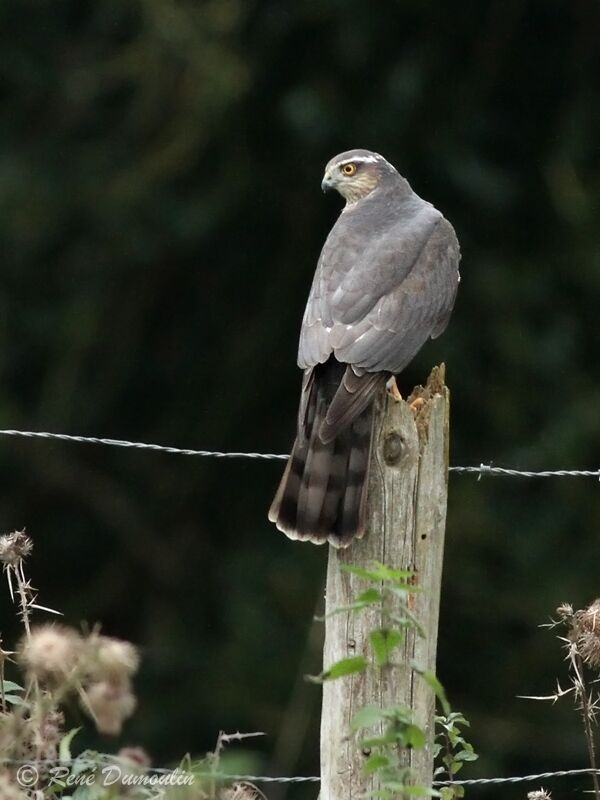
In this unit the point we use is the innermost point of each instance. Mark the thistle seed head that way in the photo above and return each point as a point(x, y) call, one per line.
point(110, 704)
point(587, 634)
point(241, 791)
point(9, 788)
point(565, 614)
point(110, 659)
point(51, 652)
point(14, 547)
point(589, 618)
point(539, 794)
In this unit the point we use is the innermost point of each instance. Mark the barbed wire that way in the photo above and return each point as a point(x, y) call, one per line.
point(520, 778)
point(65, 437)
point(481, 470)
point(488, 469)
point(107, 761)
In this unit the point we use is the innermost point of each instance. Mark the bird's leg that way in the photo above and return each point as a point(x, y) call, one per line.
point(392, 389)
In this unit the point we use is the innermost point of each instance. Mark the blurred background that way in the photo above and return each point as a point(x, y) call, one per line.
point(160, 220)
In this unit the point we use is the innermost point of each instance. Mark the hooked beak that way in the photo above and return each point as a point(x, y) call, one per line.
point(327, 183)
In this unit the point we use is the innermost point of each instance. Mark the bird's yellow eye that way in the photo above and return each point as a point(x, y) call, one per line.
point(349, 169)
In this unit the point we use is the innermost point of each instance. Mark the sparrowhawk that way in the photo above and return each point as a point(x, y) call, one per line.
point(385, 283)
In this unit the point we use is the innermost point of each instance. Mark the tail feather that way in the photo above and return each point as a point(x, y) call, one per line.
point(322, 493)
point(351, 514)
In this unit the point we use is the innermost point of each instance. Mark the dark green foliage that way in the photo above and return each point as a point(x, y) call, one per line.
point(452, 749)
point(160, 218)
point(396, 730)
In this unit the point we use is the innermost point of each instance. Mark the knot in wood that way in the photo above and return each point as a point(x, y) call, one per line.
point(393, 448)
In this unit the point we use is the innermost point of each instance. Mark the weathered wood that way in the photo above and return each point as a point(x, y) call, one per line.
point(406, 515)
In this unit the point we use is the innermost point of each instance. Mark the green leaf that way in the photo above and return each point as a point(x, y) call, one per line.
point(400, 713)
point(394, 639)
point(383, 642)
point(64, 750)
point(347, 666)
point(432, 681)
point(402, 589)
point(14, 700)
point(369, 575)
point(379, 572)
point(378, 643)
point(447, 792)
point(454, 737)
point(408, 620)
point(11, 686)
point(367, 717)
point(368, 598)
point(468, 754)
point(415, 737)
point(374, 763)
point(381, 741)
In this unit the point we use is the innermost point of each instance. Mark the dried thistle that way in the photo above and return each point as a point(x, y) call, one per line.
point(565, 614)
point(137, 755)
point(47, 734)
point(110, 659)
point(241, 791)
point(14, 547)
point(539, 794)
point(15, 736)
point(109, 704)
point(58, 660)
point(50, 653)
point(583, 649)
point(586, 631)
point(9, 789)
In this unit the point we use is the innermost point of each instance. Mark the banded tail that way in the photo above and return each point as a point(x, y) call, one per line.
point(322, 493)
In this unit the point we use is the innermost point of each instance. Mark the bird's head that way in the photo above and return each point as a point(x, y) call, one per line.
point(356, 173)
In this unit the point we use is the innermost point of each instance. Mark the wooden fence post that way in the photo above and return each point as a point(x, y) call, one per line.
point(406, 523)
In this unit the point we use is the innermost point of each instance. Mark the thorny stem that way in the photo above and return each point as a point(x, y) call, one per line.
point(222, 740)
point(2, 677)
point(23, 597)
point(23, 591)
point(215, 757)
point(587, 712)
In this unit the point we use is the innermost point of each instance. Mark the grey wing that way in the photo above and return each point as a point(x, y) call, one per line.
point(375, 312)
point(363, 275)
point(389, 336)
point(314, 347)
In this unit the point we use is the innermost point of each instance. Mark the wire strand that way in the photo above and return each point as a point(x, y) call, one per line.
point(106, 760)
point(481, 470)
point(64, 437)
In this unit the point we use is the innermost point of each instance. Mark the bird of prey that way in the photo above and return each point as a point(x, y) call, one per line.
point(385, 283)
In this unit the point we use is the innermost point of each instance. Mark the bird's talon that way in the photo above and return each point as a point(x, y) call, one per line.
point(417, 405)
point(392, 389)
